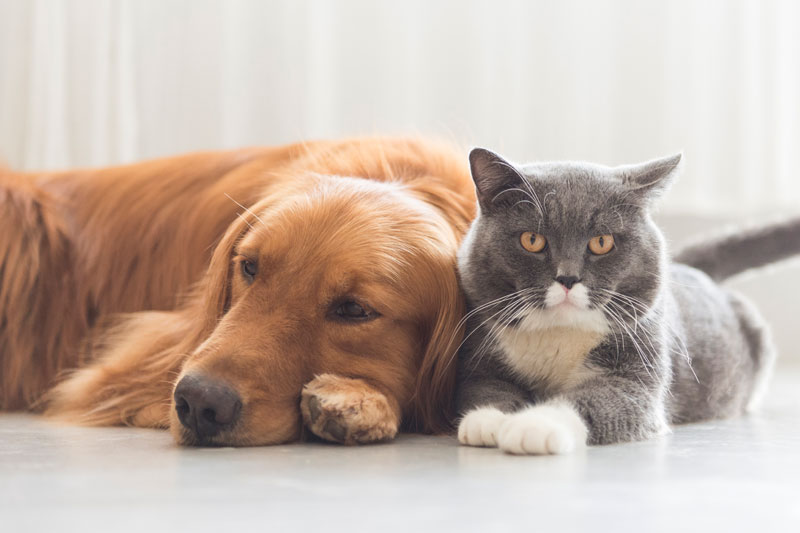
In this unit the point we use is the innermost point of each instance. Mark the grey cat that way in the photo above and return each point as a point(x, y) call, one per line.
point(580, 329)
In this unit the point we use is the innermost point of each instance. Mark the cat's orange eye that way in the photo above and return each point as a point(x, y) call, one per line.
point(533, 242)
point(601, 245)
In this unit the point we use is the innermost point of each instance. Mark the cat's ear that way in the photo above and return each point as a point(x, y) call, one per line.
point(492, 175)
point(647, 181)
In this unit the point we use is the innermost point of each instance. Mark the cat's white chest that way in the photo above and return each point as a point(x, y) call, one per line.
point(555, 355)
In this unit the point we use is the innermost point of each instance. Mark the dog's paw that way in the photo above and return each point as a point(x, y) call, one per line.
point(552, 428)
point(347, 411)
point(480, 427)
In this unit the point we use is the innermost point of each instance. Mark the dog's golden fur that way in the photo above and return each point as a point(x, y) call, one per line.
point(129, 277)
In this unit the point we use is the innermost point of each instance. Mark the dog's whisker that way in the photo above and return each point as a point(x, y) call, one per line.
point(249, 211)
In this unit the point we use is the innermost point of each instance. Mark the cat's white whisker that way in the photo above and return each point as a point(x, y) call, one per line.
point(461, 323)
point(513, 297)
point(626, 330)
point(504, 313)
point(681, 350)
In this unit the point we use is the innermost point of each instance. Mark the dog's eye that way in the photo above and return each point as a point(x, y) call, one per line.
point(249, 269)
point(351, 310)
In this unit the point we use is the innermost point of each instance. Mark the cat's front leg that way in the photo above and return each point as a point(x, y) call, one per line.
point(481, 426)
point(618, 409)
point(554, 427)
point(604, 410)
point(486, 401)
point(551, 428)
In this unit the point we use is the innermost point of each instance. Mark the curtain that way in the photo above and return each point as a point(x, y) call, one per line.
point(99, 82)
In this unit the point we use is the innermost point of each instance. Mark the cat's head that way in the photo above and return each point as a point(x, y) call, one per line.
point(564, 244)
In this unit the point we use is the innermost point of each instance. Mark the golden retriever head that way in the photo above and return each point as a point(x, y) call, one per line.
point(352, 277)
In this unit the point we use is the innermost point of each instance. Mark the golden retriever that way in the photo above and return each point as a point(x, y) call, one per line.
point(236, 297)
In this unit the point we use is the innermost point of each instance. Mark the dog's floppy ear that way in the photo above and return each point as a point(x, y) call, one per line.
point(216, 284)
point(435, 387)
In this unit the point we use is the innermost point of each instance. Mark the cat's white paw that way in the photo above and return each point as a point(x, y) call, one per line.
point(551, 428)
point(480, 427)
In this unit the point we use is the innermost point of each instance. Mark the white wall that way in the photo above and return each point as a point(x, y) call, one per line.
point(96, 82)
point(100, 81)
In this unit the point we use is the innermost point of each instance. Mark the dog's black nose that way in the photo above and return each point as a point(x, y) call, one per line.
point(567, 281)
point(206, 406)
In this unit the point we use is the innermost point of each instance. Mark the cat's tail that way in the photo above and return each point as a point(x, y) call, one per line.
point(737, 251)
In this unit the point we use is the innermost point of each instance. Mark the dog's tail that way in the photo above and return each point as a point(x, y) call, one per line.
point(41, 317)
point(738, 251)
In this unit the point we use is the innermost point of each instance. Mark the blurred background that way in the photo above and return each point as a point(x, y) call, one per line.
point(99, 82)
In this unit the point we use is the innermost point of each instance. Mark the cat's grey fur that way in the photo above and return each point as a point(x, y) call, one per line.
point(672, 346)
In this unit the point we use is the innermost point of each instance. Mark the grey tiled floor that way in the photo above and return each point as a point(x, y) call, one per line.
point(735, 475)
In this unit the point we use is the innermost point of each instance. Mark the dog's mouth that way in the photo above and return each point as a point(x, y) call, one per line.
point(246, 430)
point(186, 437)
point(237, 437)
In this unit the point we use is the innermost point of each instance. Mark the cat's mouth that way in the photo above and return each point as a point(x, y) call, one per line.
point(574, 312)
point(559, 297)
point(567, 304)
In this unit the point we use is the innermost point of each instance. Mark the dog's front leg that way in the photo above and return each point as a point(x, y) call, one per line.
point(348, 411)
point(130, 381)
